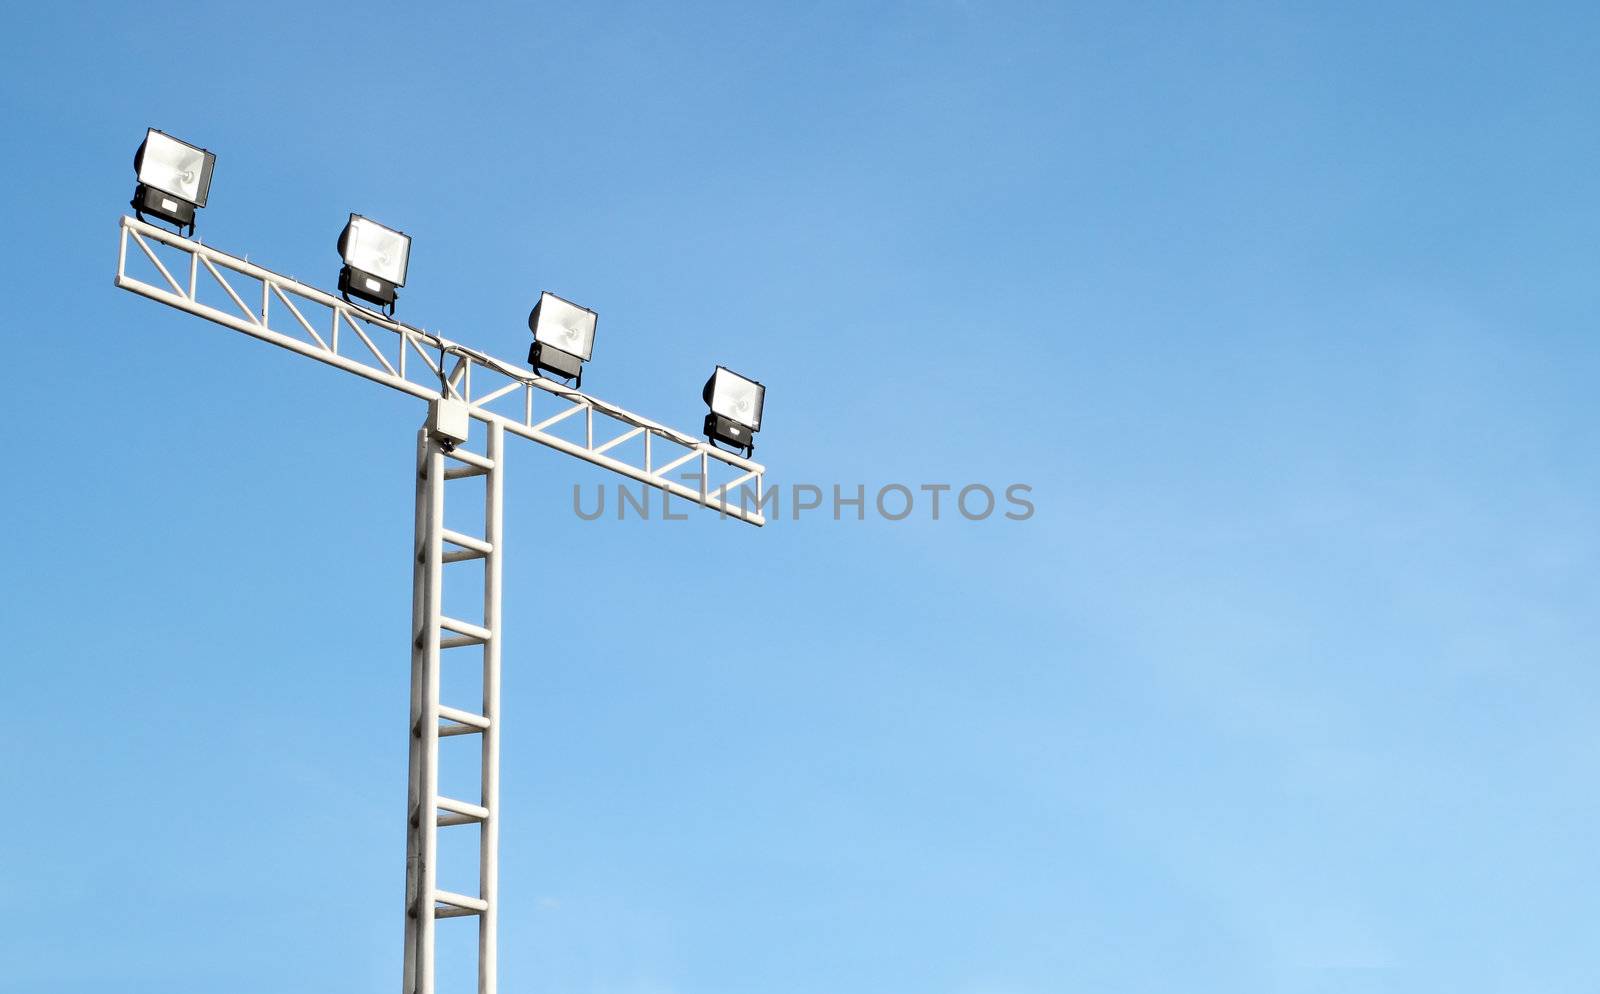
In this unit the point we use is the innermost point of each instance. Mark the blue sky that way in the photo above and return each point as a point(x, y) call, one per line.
point(1285, 312)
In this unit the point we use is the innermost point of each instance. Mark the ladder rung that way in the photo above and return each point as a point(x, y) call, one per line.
point(462, 472)
point(455, 722)
point(477, 722)
point(481, 463)
point(474, 547)
point(457, 905)
point(461, 813)
point(475, 634)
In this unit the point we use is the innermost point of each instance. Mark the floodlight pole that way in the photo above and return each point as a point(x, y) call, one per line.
point(442, 458)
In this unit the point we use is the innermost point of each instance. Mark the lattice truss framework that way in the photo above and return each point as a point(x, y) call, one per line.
point(240, 295)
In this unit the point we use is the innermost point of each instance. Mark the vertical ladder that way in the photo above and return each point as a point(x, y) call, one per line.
point(427, 811)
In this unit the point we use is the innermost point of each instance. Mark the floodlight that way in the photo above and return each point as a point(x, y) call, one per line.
point(174, 178)
point(563, 337)
point(375, 261)
point(735, 403)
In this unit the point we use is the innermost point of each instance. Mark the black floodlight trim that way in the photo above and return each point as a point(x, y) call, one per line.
point(721, 428)
point(547, 358)
point(544, 357)
point(170, 206)
point(374, 289)
point(173, 210)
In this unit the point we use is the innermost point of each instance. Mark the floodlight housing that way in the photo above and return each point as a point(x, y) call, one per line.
point(174, 178)
point(735, 403)
point(375, 261)
point(563, 336)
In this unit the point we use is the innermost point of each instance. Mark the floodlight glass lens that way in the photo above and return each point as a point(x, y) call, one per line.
point(372, 248)
point(737, 398)
point(565, 326)
point(175, 167)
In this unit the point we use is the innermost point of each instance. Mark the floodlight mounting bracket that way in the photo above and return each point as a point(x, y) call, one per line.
point(546, 358)
point(746, 451)
point(719, 428)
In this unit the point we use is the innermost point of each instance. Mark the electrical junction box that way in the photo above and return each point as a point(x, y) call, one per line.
point(448, 420)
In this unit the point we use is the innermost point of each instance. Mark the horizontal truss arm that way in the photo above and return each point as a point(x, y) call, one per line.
point(371, 363)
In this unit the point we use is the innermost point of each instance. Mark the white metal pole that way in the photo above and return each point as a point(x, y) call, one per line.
point(427, 820)
point(489, 834)
point(419, 580)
